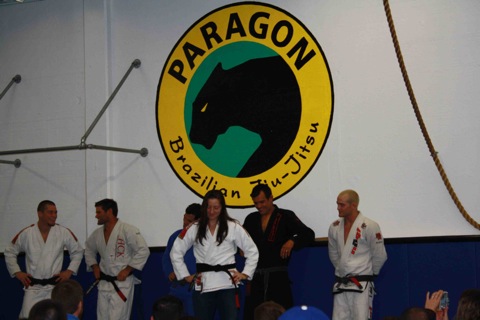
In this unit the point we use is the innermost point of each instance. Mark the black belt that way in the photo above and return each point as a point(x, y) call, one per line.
point(203, 267)
point(43, 282)
point(265, 272)
point(354, 279)
point(112, 279)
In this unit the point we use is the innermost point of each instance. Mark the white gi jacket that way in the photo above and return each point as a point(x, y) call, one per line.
point(126, 246)
point(43, 259)
point(213, 254)
point(362, 254)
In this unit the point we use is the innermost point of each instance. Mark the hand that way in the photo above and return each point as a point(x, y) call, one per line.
point(124, 273)
point(96, 271)
point(238, 276)
point(24, 278)
point(433, 301)
point(442, 314)
point(172, 276)
point(189, 279)
point(287, 249)
point(64, 275)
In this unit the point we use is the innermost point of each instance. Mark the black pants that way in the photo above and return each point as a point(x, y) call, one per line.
point(278, 290)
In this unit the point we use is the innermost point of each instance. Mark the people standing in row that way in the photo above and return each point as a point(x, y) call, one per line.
point(43, 244)
point(122, 249)
point(276, 232)
point(180, 288)
point(215, 239)
point(357, 252)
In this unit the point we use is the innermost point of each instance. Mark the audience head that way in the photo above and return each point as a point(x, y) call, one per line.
point(303, 313)
point(469, 305)
point(415, 313)
point(69, 293)
point(167, 308)
point(47, 310)
point(268, 310)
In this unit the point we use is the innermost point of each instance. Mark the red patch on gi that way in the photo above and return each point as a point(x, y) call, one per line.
point(181, 235)
point(378, 235)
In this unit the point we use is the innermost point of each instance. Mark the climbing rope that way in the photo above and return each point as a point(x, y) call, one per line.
point(433, 153)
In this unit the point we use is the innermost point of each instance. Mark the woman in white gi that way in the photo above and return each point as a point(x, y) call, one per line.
point(215, 239)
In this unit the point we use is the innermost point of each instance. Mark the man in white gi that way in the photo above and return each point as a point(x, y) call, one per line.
point(357, 251)
point(43, 244)
point(122, 249)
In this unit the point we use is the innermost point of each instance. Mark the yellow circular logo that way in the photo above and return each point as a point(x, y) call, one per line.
point(245, 97)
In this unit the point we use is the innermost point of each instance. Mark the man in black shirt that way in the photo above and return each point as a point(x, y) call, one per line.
point(276, 232)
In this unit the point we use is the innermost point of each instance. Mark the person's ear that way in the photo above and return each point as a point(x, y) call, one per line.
point(79, 310)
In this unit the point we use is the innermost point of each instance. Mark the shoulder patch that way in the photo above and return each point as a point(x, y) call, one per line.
point(181, 235)
point(336, 223)
point(378, 235)
point(73, 234)
point(14, 240)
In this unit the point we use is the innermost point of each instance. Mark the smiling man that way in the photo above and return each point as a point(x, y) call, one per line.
point(276, 232)
point(43, 244)
point(122, 249)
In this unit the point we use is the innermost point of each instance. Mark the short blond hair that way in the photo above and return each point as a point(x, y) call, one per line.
point(352, 196)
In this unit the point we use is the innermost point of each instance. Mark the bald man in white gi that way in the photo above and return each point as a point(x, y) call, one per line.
point(122, 249)
point(357, 251)
point(44, 244)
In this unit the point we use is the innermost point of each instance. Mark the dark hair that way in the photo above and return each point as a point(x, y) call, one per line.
point(223, 218)
point(68, 293)
point(43, 205)
point(47, 310)
point(195, 209)
point(268, 310)
point(106, 204)
point(167, 308)
point(469, 305)
point(415, 313)
point(259, 188)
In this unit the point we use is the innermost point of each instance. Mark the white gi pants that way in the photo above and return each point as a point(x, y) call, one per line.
point(111, 307)
point(31, 296)
point(353, 305)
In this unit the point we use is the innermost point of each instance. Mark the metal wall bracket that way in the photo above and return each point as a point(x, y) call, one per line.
point(82, 146)
point(17, 163)
point(15, 79)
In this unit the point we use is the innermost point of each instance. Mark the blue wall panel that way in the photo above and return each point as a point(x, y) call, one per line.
point(413, 267)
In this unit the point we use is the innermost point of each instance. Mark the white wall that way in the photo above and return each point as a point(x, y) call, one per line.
point(72, 54)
